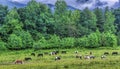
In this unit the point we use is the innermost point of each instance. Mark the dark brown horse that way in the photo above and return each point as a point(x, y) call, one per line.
point(18, 62)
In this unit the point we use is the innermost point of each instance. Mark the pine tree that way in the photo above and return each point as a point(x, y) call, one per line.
point(100, 18)
point(109, 25)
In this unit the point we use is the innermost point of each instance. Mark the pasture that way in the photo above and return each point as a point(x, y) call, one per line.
point(68, 60)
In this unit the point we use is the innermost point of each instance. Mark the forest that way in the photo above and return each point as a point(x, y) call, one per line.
point(37, 27)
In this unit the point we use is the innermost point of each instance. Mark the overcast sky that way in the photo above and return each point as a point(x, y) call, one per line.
point(72, 3)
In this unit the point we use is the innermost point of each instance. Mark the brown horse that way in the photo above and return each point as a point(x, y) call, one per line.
point(18, 62)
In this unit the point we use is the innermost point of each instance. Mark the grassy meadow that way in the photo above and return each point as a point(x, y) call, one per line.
point(68, 61)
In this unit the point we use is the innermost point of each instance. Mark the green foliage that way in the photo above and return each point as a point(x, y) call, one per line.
point(27, 40)
point(67, 42)
point(3, 13)
point(60, 7)
point(108, 39)
point(93, 40)
point(117, 18)
point(81, 42)
point(87, 21)
point(36, 26)
point(118, 38)
point(109, 22)
point(2, 46)
point(54, 41)
point(41, 44)
point(100, 19)
point(14, 42)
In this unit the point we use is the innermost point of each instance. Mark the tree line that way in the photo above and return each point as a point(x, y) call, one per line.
point(36, 26)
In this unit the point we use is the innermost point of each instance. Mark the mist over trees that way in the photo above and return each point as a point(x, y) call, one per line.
point(36, 26)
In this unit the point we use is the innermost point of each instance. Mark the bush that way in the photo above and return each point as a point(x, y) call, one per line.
point(41, 44)
point(67, 42)
point(81, 42)
point(93, 40)
point(15, 42)
point(54, 41)
point(2, 45)
point(26, 38)
point(108, 39)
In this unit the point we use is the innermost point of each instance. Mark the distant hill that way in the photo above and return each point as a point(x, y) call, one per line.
point(78, 4)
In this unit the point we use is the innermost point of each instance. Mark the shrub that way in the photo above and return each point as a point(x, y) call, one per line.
point(42, 43)
point(81, 42)
point(108, 39)
point(15, 42)
point(2, 45)
point(54, 41)
point(67, 42)
point(26, 38)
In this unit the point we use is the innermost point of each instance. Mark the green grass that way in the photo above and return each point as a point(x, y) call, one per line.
point(68, 61)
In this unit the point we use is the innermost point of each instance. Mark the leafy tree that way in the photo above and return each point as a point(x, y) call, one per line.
point(109, 22)
point(67, 42)
point(117, 18)
point(41, 44)
point(81, 42)
point(60, 7)
point(100, 18)
point(27, 40)
point(3, 13)
point(87, 22)
point(65, 22)
point(54, 41)
point(12, 23)
point(2, 45)
point(108, 40)
point(118, 38)
point(93, 40)
point(37, 17)
point(15, 42)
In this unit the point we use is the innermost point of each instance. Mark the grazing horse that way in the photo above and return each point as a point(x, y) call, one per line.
point(63, 52)
point(57, 52)
point(92, 57)
point(77, 56)
point(114, 53)
point(53, 53)
point(103, 57)
point(27, 58)
point(33, 54)
point(57, 58)
point(76, 52)
point(86, 57)
point(106, 53)
point(18, 62)
point(40, 55)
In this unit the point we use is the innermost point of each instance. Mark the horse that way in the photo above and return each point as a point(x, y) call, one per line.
point(79, 56)
point(18, 62)
point(40, 55)
point(63, 52)
point(114, 53)
point(92, 57)
point(86, 57)
point(33, 54)
point(53, 53)
point(28, 58)
point(103, 57)
point(106, 53)
point(57, 58)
